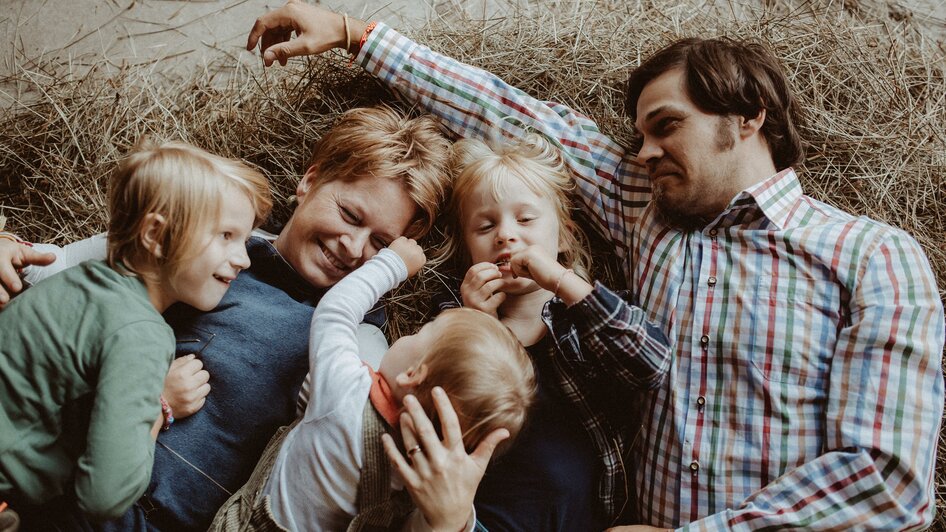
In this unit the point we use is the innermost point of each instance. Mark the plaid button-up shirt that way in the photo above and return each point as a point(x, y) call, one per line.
point(805, 388)
point(602, 352)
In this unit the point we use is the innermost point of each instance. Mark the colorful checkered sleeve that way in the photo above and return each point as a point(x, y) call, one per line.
point(473, 103)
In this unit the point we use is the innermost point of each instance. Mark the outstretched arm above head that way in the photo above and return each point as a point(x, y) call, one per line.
point(470, 102)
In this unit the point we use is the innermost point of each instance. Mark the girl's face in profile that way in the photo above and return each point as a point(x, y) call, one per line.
point(494, 228)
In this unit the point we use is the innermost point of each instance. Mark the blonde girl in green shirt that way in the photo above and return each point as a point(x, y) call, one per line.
point(83, 356)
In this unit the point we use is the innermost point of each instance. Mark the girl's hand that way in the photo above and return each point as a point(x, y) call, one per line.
point(440, 476)
point(13, 257)
point(410, 252)
point(534, 262)
point(481, 287)
point(186, 386)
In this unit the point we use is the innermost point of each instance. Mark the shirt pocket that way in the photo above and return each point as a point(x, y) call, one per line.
point(794, 328)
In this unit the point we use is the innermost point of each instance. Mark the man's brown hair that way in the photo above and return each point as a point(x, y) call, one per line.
point(729, 77)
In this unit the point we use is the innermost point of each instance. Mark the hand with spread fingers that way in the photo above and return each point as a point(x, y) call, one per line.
point(440, 475)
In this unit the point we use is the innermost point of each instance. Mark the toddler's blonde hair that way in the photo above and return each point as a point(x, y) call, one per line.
point(536, 163)
point(486, 373)
point(383, 142)
point(182, 183)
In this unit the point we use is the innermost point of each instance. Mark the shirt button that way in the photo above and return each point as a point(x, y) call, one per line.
point(713, 232)
point(694, 466)
point(711, 281)
point(701, 400)
point(704, 340)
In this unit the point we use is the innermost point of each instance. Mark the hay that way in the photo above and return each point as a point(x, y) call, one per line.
point(873, 91)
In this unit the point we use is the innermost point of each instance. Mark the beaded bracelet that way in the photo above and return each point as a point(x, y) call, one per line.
point(167, 413)
point(361, 42)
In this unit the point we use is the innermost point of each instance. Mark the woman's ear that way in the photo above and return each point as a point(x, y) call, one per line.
point(307, 183)
point(412, 378)
point(152, 231)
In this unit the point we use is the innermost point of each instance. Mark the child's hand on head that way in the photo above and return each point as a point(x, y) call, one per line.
point(481, 288)
point(535, 262)
point(410, 252)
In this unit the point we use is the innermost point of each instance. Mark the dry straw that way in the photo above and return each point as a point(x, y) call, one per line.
point(873, 91)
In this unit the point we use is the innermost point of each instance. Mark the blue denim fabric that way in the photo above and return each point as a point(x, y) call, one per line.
point(255, 347)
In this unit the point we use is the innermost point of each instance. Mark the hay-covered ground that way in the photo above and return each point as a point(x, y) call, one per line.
point(874, 93)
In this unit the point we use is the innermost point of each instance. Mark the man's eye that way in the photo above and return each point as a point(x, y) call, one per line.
point(665, 126)
point(379, 243)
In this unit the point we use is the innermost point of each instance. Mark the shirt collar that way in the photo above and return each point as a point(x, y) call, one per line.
point(382, 398)
point(268, 265)
point(776, 197)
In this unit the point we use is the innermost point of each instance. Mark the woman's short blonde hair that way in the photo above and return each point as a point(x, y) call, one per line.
point(536, 163)
point(182, 183)
point(383, 142)
point(486, 373)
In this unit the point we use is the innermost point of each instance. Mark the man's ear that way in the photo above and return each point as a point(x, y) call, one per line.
point(307, 183)
point(151, 232)
point(751, 126)
point(412, 378)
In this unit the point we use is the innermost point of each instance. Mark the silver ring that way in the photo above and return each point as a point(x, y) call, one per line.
point(412, 450)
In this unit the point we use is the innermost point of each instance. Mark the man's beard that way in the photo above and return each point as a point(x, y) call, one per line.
point(677, 214)
point(682, 214)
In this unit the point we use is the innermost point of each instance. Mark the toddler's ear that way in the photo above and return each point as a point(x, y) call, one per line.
point(152, 231)
point(412, 378)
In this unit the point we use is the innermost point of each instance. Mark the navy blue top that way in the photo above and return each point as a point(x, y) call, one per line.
point(255, 347)
point(549, 478)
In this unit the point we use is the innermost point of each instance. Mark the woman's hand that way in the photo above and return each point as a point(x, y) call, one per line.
point(481, 287)
point(410, 252)
point(317, 30)
point(439, 474)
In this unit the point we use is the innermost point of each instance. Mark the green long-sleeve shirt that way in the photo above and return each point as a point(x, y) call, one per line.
point(83, 358)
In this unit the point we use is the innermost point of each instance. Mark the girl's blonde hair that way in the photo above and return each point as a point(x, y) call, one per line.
point(536, 163)
point(486, 373)
point(182, 183)
point(383, 142)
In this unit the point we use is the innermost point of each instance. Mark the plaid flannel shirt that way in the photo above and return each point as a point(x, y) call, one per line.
point(604, 334)
point(805, 388)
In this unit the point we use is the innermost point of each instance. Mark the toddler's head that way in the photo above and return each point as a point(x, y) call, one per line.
point(477, 361)
point(516, 191)
point(179, 217)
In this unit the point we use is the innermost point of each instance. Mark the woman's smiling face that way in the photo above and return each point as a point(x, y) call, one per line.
point(339, 225)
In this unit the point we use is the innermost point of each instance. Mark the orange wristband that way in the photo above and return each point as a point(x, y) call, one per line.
point(361, 42)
